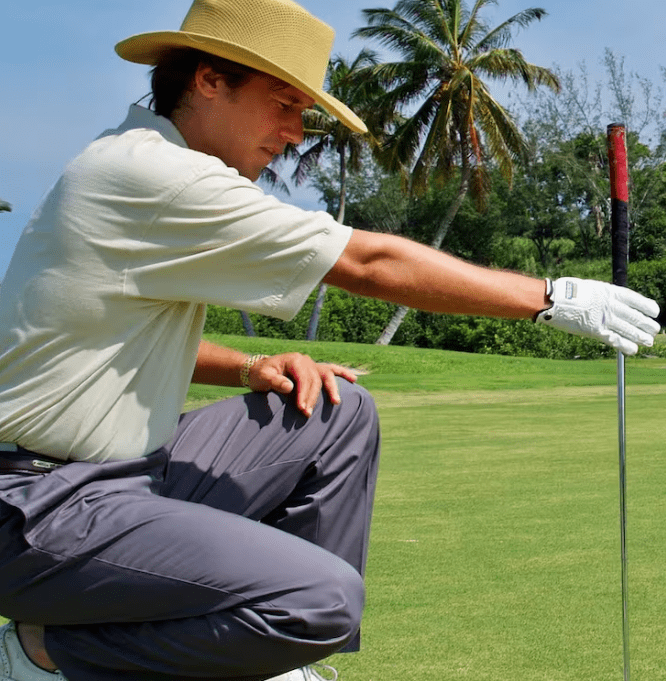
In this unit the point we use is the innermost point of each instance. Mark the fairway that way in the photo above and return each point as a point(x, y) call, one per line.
point(495, 551)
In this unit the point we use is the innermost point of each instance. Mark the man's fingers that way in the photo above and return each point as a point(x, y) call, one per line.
point(306, 380)
point(347, 373)
point(302, 376)
point(619, 342)
point(621, 329)
point(615, 315)
point(331, 387)
point(282, 385)
point(634, 325)
point(637, 301)
point(307, 394)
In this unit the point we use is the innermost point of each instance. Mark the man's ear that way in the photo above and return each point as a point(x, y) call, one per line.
point(207, 82)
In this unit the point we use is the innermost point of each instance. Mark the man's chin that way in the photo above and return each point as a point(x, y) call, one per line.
point(251, 174)
point(254, 176)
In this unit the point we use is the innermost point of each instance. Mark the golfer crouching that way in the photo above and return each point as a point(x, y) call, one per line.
point(229, 542)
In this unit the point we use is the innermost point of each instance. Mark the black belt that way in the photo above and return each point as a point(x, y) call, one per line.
point(24, 461)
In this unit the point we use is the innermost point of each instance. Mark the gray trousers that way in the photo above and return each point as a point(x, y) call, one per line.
point(234, 552)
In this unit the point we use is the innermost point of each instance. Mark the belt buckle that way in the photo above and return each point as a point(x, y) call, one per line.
point(46, 465)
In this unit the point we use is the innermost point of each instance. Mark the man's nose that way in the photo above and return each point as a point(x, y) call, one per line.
point(292, 132)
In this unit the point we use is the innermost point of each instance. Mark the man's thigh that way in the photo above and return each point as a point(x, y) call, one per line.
point(248, 454)
point(116, 552)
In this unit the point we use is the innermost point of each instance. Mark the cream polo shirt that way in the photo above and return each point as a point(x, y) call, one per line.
point(103, 304)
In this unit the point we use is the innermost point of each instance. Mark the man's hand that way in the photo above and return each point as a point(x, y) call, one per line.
point(295, 372)
point(617, 316)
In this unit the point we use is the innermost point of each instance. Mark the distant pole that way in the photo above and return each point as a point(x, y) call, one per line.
point(619, 176)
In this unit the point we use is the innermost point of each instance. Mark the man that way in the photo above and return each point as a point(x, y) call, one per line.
point(228, 543)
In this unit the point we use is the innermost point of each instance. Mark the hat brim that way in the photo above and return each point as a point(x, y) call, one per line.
point(146, 48)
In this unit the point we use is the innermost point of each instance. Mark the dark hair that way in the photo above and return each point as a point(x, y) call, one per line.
point(172, 76)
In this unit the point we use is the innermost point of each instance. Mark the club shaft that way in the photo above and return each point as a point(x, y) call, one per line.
point(621, 396)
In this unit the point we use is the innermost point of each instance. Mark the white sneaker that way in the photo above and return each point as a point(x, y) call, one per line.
point(15, 665)
point(309, 673)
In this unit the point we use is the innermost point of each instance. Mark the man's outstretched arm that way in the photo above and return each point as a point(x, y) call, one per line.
point(401, 271)
point(392, 268)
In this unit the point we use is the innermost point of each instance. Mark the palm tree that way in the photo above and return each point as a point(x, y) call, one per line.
point(457, 125)
point(5, 207)
point(349, 83)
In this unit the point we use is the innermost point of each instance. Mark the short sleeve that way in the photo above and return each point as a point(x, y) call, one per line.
point(222, 240)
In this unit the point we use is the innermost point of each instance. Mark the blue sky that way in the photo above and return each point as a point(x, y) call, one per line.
point(62, 83)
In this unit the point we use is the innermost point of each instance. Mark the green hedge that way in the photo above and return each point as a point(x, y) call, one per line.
point(347, 318)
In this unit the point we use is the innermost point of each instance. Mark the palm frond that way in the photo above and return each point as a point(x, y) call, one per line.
point(455, 22)
point(502, 34)
point(418, 40)
point(474, 27)
point(510, 64)
point(505, 142)
point(308, 160)
point(390, 30)
point(436, 21)
point(442, 143)
point(401, 146)
point(272, 179)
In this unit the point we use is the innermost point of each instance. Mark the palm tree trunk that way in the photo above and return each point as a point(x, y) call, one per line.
point(393, 326)
point(453, 208)
point(247, 324)
point(313, 325)
point(401, 312)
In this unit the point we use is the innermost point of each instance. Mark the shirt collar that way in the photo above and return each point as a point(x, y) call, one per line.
point(140, 117)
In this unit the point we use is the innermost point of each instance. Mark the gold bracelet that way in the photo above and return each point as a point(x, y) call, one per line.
point(245, 369)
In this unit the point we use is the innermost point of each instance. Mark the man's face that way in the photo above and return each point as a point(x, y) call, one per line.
point(247, 126)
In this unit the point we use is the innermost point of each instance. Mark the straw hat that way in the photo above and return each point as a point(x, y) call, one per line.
point(277, 37)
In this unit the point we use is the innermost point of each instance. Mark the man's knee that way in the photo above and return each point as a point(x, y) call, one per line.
point(335, 613)
point(360, 401)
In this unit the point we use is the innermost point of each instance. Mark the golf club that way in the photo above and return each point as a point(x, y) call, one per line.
point(617, 154)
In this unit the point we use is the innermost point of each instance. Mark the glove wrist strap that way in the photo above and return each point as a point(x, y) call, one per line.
point(543, 315)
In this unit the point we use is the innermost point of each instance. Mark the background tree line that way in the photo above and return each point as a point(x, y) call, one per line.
point(522, 187)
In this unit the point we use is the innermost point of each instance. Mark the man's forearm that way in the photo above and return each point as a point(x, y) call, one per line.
point(408, 273)
point(217, 365)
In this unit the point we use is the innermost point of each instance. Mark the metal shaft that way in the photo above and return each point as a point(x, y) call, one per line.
point(623, 510)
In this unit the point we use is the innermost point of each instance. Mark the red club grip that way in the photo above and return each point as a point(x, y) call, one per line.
point(617, 155)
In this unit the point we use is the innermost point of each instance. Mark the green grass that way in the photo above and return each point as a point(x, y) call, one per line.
point(414, 370)
point(495, 544)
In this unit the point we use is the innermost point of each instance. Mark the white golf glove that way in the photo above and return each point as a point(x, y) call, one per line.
point(617, 316)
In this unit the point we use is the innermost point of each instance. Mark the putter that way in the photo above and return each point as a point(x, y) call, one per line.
point(619, 171)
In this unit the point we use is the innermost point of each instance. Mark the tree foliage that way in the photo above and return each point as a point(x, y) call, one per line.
point(458, 129)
